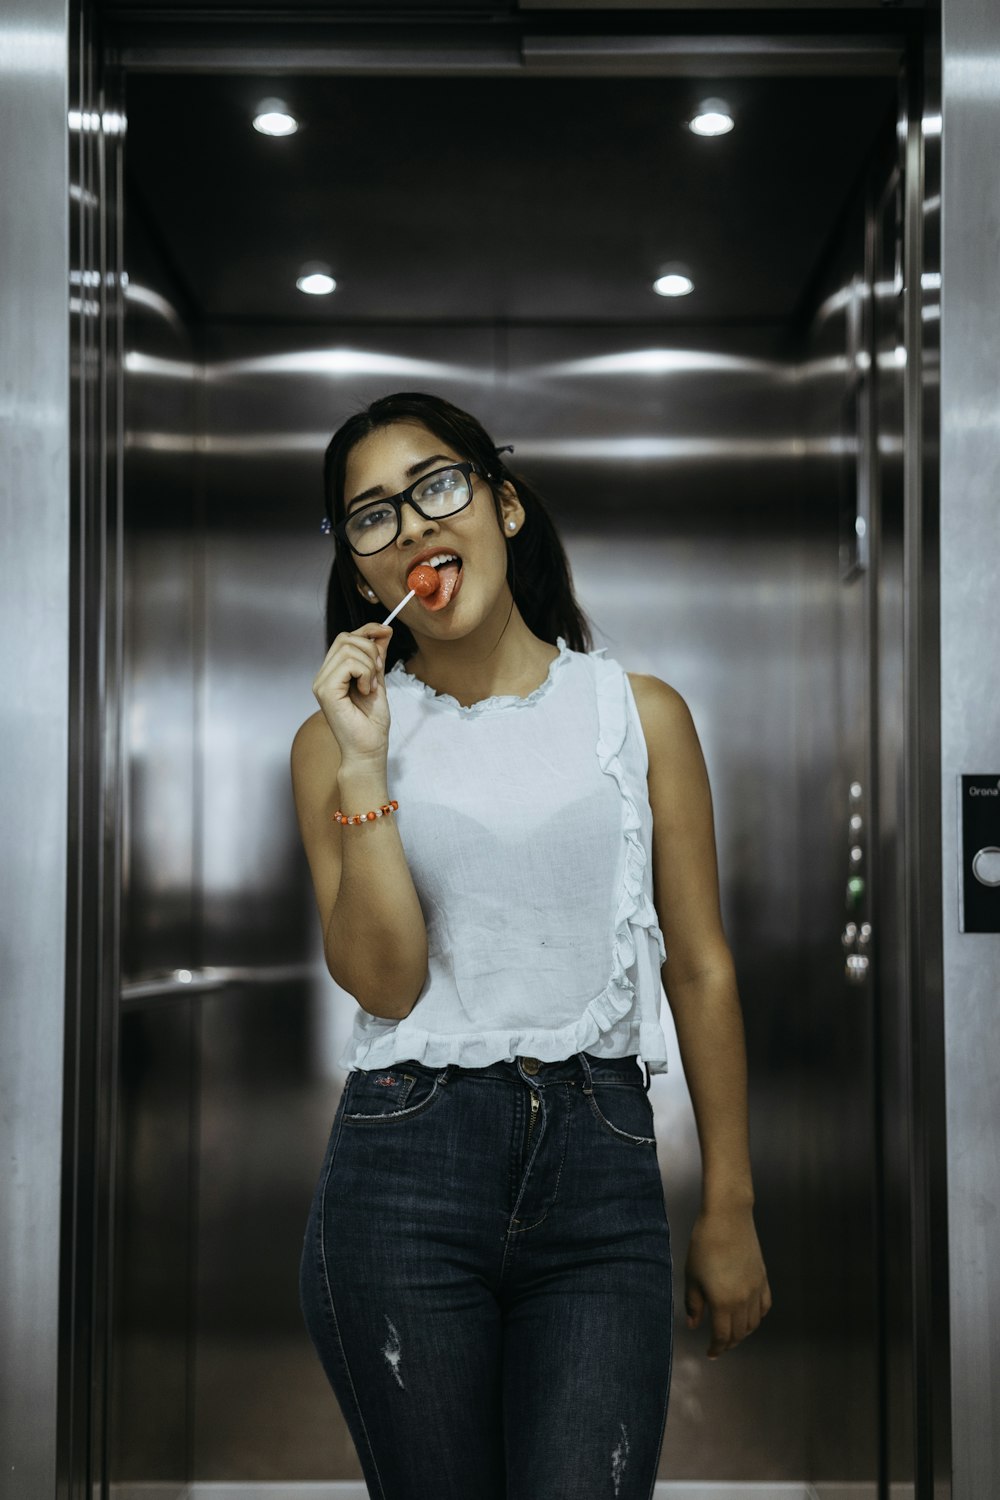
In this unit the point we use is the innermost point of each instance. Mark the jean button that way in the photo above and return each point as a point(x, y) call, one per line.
point(530, 1065)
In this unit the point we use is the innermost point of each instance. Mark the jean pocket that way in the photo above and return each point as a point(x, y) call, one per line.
point(624, 1110)
point(388, 1096)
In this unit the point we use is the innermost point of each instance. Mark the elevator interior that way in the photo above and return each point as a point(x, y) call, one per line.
point(727, 472)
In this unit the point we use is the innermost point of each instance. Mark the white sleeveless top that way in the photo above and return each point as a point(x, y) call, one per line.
point(528, 833)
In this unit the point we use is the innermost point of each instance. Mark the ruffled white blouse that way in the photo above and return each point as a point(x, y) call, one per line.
point(528, 832)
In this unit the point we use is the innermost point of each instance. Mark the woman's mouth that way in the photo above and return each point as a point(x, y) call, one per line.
point(448, 566)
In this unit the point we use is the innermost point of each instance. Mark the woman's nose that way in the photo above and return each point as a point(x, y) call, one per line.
point(412, 523)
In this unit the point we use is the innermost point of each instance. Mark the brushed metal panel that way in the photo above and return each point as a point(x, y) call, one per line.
point(719, 56)
point(35, 614)
point(152, 1367)
point(156, 1198)
point(931, 1328)
point(263, 1410)
point(895, 995)
point(970, 716)
point(756, 5)
point(837, 745)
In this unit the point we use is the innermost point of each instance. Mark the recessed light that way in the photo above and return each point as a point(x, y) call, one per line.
point(273, 117)
point(315, 279)
point(712, 117)
point(673, 284)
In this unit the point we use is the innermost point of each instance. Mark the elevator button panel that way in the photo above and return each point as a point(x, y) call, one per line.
point(856, 936)
point(979, 817)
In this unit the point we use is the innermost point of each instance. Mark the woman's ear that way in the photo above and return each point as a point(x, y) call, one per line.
point(366, 591)
point(511, 510)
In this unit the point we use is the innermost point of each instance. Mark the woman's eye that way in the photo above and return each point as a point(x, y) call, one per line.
point(370, 518)
point(445, 481)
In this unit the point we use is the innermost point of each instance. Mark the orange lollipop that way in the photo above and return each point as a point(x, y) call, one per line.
point(423, 580)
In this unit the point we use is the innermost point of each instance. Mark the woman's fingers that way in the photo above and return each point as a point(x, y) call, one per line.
point(730, 1326)
point(380, 634)
point(695, 1303)
point(722, 1333)
point(352, 656)
point(347, 666)
point(347, 680)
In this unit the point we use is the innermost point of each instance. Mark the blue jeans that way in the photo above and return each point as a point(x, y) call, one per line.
point(488, 1282)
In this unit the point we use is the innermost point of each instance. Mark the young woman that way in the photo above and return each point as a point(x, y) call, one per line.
point(507, 835)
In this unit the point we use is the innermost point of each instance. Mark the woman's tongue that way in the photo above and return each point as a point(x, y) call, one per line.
point(448, 578)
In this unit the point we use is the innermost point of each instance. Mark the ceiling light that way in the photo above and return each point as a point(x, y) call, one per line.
point(274, 118)
point(712, 117)
point(315, 279)
point(673, 281)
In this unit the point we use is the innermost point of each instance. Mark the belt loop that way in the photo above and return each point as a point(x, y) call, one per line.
point(649, 1080)
point(588, 1087)
point(445, 1074)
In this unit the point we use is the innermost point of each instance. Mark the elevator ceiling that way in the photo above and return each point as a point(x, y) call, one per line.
point(497, 198)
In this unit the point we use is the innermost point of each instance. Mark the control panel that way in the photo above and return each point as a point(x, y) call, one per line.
point(857, 934)
point(979, 843)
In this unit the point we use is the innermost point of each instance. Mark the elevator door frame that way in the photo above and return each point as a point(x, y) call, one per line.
point(568, 51)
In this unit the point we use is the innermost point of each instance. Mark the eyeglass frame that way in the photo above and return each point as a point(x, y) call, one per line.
point(405, 497)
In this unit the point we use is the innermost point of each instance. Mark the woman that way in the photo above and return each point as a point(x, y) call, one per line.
point(487, 808)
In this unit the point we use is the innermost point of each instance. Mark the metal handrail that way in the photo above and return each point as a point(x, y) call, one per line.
point(177, 982)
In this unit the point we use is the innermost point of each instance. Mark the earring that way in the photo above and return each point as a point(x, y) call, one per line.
point(512, 525)
point(371, 593)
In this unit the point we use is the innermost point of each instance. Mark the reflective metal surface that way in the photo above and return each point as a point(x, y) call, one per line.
point(35, 614)
point(157, 1148)
point(970, 714)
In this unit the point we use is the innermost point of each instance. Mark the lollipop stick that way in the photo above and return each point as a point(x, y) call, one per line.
point(392, 615)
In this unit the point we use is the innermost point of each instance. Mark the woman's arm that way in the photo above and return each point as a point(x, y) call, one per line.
point(724, 1263)
point(374, 936)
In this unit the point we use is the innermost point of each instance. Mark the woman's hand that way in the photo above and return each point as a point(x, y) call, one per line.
point(350, 689)
point(725, 1268)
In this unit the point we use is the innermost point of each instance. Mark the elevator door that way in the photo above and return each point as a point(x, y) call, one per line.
point(872, 802)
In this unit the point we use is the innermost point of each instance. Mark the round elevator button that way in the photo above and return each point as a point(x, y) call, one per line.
point(986, 865)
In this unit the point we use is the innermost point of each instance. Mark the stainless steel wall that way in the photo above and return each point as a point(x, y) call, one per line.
point(35, 614)
point(970, 714)
point(59, 326)
point(156, 1145)
point(863, 361)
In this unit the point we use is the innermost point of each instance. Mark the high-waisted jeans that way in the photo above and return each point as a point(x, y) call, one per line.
point(487, 1279)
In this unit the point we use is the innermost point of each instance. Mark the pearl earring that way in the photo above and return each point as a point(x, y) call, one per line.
point(512, 525)
point(371, 593)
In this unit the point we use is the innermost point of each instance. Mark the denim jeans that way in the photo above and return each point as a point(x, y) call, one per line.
point(488, 1282)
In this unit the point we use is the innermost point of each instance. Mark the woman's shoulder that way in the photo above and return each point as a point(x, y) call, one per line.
point(663, 712)
point(653, 692)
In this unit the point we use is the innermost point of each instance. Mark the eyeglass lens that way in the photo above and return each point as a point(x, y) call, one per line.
point(372, 527)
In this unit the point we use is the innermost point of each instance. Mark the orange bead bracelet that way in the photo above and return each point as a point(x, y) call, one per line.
point(367, 817)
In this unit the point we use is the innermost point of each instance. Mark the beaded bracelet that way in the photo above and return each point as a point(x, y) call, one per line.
point(368, 817)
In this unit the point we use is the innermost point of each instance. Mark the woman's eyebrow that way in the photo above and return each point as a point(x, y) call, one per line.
point(411, 473)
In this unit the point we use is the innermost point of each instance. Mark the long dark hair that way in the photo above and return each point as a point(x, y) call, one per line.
point(538, 570)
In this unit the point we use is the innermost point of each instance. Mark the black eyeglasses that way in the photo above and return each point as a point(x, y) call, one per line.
point(442, 492)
